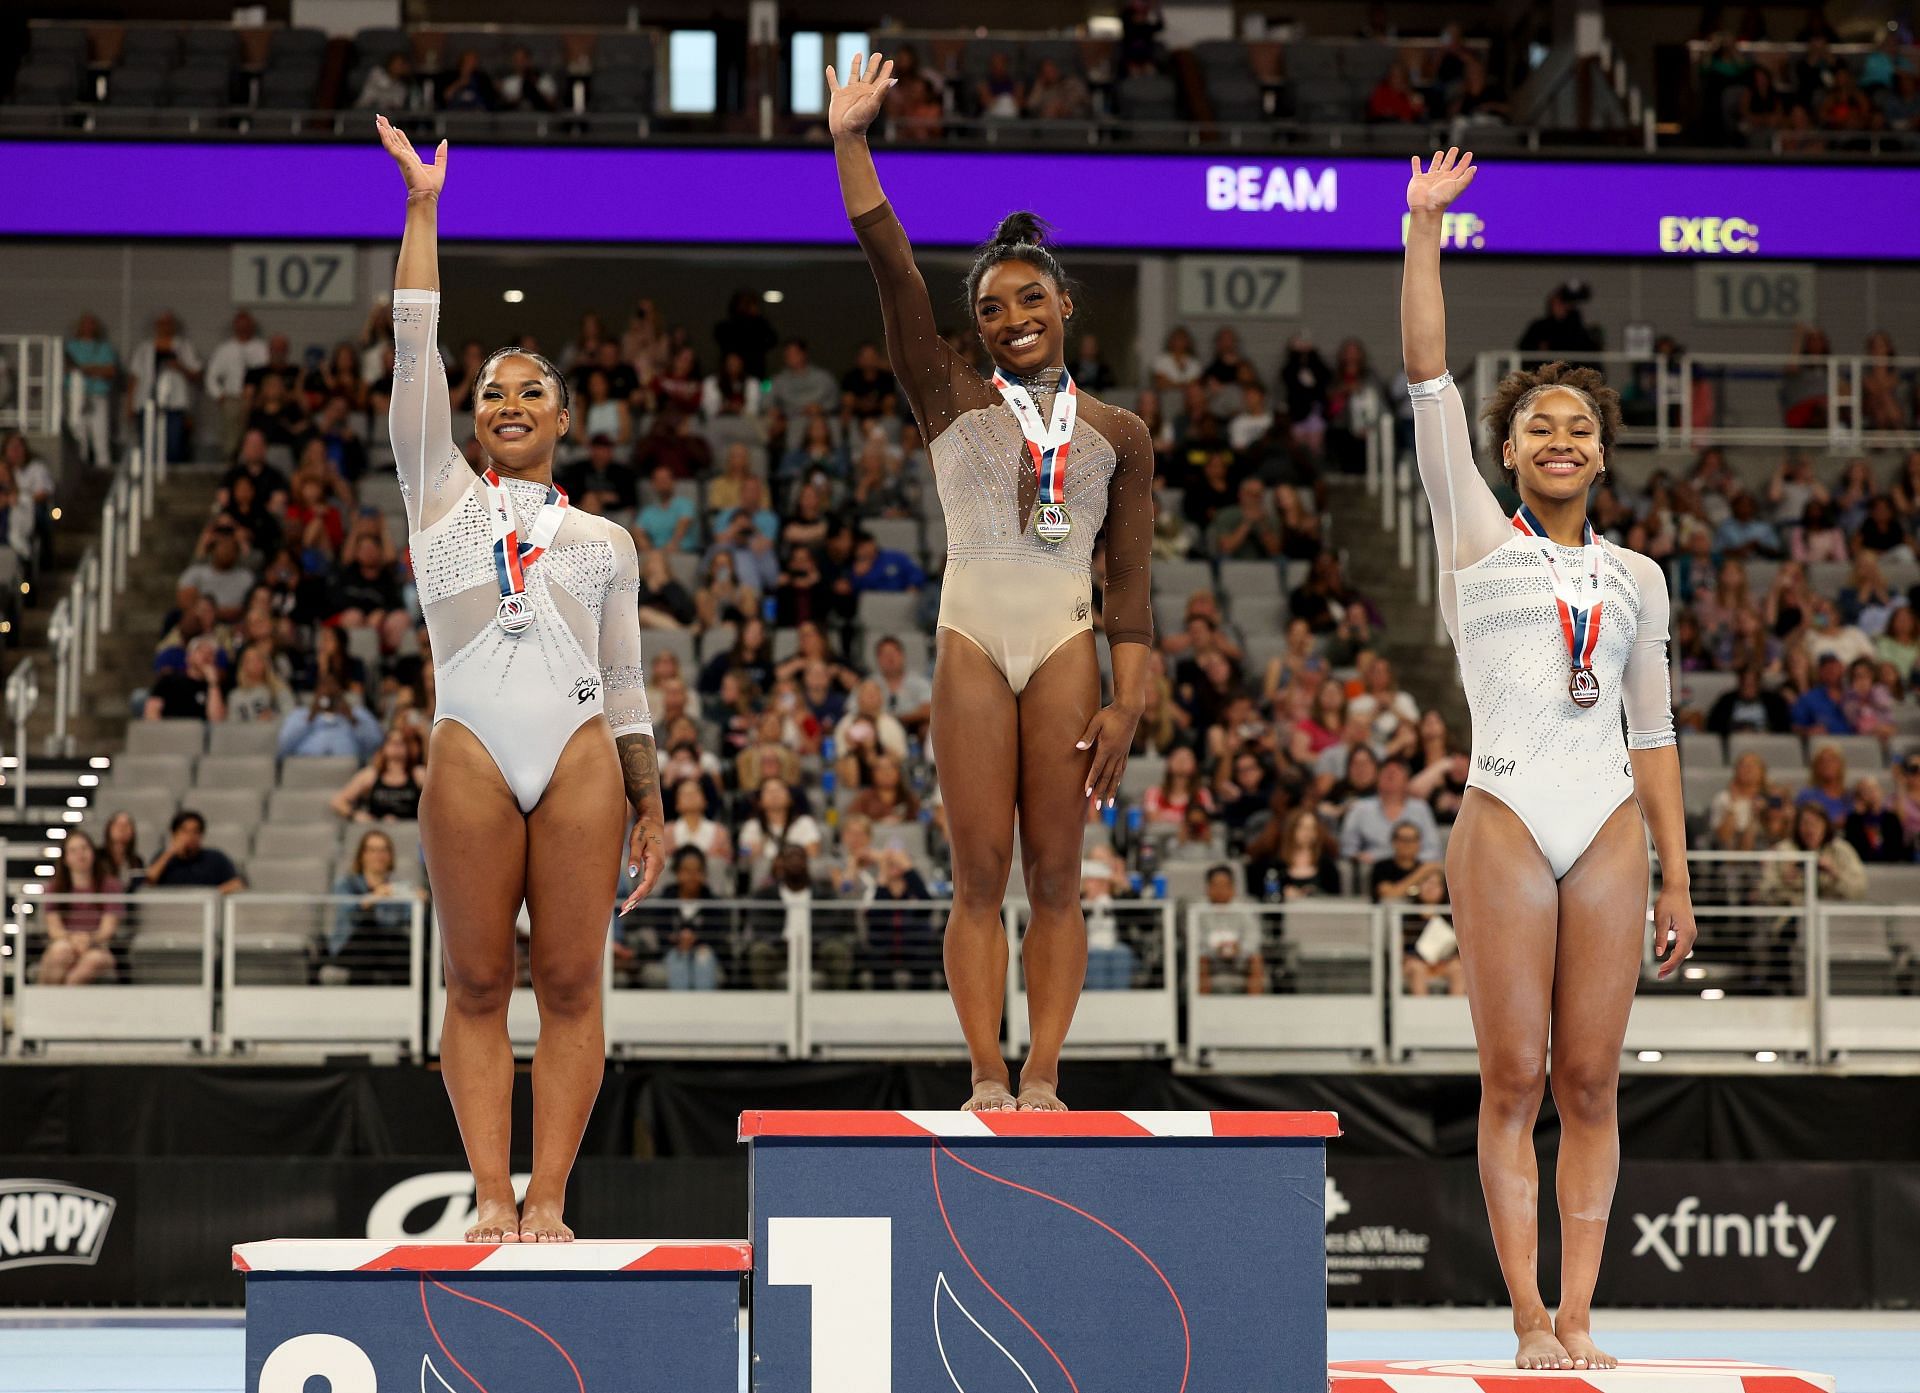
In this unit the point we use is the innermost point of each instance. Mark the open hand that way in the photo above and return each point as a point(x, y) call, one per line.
point(420, 177)
point(1110, 736)
point(1434, 189)
point(855, 104)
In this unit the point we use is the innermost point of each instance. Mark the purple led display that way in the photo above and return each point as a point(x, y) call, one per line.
point(788, 197)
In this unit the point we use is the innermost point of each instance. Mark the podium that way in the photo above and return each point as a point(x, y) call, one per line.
point(452, 1317)
point(1633, 1376)
point(1151, 1252)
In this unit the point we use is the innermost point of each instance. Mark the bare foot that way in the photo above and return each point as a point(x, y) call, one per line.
point(989, 1095)
point(540, 1223)
point(1540, 1350)
point(495, 1221)
point(1580, 1347)
point(1039, 1096)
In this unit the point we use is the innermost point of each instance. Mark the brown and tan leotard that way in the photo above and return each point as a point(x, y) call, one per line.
point(1014, 596)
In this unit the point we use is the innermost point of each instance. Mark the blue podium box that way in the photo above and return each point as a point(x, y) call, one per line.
point(1039, 1252)
point(371, 1316)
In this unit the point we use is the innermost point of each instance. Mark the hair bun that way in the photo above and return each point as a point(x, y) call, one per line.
point(1022, 229)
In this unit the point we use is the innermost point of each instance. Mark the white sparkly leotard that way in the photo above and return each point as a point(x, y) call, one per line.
point(524, 695)
point(1563, 770)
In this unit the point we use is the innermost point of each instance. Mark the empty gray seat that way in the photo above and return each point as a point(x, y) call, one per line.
point(1783, 753)
point(277, 875)
point(46, 83)
point(235, 771)
point(150, 808)
point(1178, 579)
point(173, 772)
point(327, 772)
point(1328, 952)
point(1698, 691)
point(1249, 578)
point(244, 738)
point(210, 44)
point(234, 838)
point(1236, 97)
point(149, 47)
point(166, 737)
point(1218, 57)
point(239, 805)
point(200, 87)
point(1893, 884)
point(297, 839)
point(54, 42)
point(678, 642)
point(1257, 614)
point(1142, 773)
point(1147, 97)
point(1863, 753)
point(287, 89)
point(299, 805)
point(895, 534)
point(1700, 749)
point(886, 612)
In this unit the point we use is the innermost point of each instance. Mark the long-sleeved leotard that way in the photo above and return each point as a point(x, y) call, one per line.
point(1562, 769)
point(1015, 596)
point(522, 696)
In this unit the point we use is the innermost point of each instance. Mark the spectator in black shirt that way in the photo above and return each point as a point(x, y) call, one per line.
point(253, 523)
point(1750, 707)
point(1561, 329)
point(1874, 828)
point(746, 331)
point(278, 414)
point(188, 861)
point(599, 483)
point(367, 593)
point(1224, 369)
point(346, 451)
point(279, 364)
point(664, 601)
point(902, 945)
point(869, 390)
point(270, 484)
point(1305, 378)
point(1211, 489)
point(191, 695)
point(622, 380)
point(469, 88)
point(804, 595)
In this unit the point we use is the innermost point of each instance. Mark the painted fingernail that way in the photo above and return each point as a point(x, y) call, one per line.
point(1089, 790)
point(1081, 745)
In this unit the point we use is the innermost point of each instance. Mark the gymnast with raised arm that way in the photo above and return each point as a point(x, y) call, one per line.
point(1558, 631)
point(541, 737)
point(1031, 472)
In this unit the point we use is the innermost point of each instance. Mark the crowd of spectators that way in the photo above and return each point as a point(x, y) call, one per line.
point(1811, 99)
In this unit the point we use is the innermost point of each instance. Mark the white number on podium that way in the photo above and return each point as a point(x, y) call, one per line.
point(848, 1263)
point(342, 1363)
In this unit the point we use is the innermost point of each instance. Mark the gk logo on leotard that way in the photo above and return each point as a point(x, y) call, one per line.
point(1499, 768)
point(586, 689)
point(1081, 609)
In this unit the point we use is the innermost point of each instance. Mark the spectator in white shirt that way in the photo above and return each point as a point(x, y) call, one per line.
point(692, 827)
point(227, 367)
point(869, 729)
point(1176, 364)
point(1253, 420)
point(389, 86)
point(219, 574)
point(164, 372)
point(800, 387)
point(1366, 832)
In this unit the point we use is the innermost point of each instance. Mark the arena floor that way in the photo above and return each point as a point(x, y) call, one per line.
point(202, 1352)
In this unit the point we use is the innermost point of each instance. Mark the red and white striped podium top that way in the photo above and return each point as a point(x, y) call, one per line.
point(587, 1256)
point(1633, 1376)
point(1062, 1125)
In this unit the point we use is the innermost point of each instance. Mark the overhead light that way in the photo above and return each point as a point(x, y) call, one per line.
point(43, 870)
point(74, 800)
point(56, 515)
point(773, 297)
point(9, 928)
point(9, 763)
point(32, 887)
point(49, 851)
point(6, 626)
point(6, 950)
point(513, 297)
point(56, 833)
point(1764, 1057)
point(26, 587)
point(71, 816)
point(1693, 974)
point(1650, 1056)
point(1712, 994)
point(89, 781)
point(100, 762)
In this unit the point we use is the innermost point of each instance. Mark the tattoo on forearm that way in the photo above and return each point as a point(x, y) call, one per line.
point(639, 770)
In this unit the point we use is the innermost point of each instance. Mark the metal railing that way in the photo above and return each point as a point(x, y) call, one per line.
point(1779, 978)
point(1701, 399)
point(33, 383)
point(86, 611)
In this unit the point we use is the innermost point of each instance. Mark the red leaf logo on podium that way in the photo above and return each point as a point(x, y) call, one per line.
point(1042, 1243)
point(469, 1332)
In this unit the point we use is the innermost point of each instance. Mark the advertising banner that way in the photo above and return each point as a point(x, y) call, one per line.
point(789, 197)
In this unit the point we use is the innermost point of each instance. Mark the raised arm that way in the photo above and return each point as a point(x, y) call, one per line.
point(433, 474)
point(1468, 523)
point(927, 369)
point(623, 682)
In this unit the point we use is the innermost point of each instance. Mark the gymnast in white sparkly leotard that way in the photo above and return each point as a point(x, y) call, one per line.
point(1560, 635)
point(541, 737)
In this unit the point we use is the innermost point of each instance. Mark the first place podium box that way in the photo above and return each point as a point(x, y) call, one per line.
point(910, 1252)
point(368, 1315)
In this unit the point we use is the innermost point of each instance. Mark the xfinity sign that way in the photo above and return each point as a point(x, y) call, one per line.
point(1254, 188)
point(49, 1221)
point(1689, 1233)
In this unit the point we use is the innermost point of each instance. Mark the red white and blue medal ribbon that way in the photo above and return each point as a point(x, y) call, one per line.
point(1579, 603)
point(1048, 443)
point(511, 556)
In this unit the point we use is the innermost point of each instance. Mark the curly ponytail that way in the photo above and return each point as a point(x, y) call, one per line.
point(1021, 236)
point(1518, 390)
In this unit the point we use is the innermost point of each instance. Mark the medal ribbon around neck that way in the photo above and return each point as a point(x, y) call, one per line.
point(511, 556)
point(1046, 443)
point(1579, 624)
